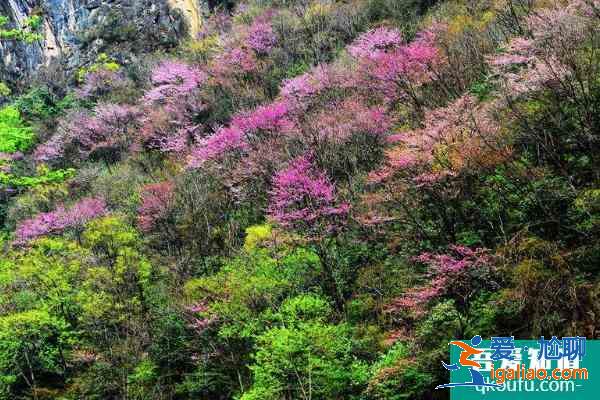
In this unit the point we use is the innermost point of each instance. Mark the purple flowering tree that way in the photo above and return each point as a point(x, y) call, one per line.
point(273, 117)
point(100, 83)
point(456, 274)
point(303, 197)
point(394, 68)
point(59, 220)
point(245, 128)
point(376, 42)
point(234, 62)
point(223, 141)
point(171, 104)
point(173, 80)
point(261, 38)
point(84, 133)
point(156, 201)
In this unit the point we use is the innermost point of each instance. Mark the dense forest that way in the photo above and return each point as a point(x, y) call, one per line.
point(305, 199)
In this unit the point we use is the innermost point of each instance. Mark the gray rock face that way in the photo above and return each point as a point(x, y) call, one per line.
point(76, 31)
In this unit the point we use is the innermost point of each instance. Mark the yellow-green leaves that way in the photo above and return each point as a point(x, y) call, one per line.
point(255, 235)
point(29, 33)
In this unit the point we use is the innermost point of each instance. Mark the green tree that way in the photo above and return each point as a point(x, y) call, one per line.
point(15, 135)
point(309, 360)
point(33, 346)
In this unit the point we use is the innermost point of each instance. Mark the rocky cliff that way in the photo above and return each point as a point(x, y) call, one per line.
point(76, 31)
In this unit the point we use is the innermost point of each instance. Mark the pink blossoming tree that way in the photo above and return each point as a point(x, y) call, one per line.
point(246, 128)
point(273, 117)
point(101, 83)
point(302, 196)
point(463, 135)
point(156, 202)
point(396, 69)
point(60, 219)
point(82, 133)
point(173, 80)
point(456, 275)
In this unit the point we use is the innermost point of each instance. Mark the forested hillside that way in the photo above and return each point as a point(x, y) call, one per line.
point(305, 200)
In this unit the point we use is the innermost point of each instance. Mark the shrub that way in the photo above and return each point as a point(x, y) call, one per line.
point(29, 33)
point(255, 235)
point(396, 375)
point(4, 90)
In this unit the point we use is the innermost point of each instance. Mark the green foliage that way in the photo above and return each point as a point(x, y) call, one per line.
point(44, 177)
point(51, 268)
point(305, 307)
point(441, 325)
point(119, 186)
point(39, 104)
point(248, 286)
point(311, 359)
point(103, 62)
point(482, 89)
point(32, 343)
point(82, 290)
point(4, 90)
point(28, 34)
point(255, 235)
point(142, 379)
point(116, 242)
point(397, 376)
point(15, 135)
point(587, 208)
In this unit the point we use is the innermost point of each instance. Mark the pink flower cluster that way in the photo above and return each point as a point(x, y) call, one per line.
point(52, 149)
point(388, 65)
point(198, 322)
point(398, 159)
point(156, 201)
point(303, 195)
point(235, 61)
point(11, 156)
point(178, 142)
point(412, 61)
point(376, 42)
point(223, 141)
point(107, 127)
point(465, 129)
point(448, 272)
point(544, 58)
point(298, 90)
point(173, 80)
point(59, 219)
point(342, 120)
point(270, 117)
point(261, 38)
